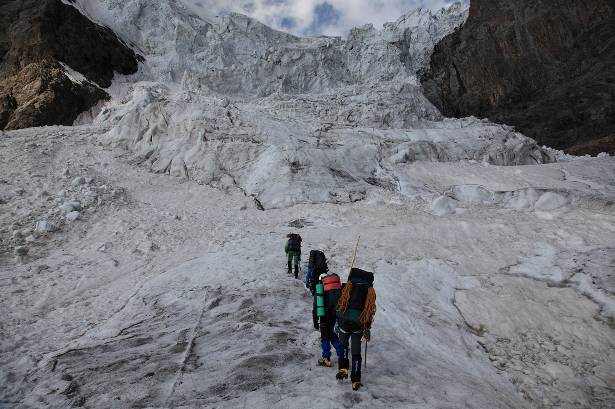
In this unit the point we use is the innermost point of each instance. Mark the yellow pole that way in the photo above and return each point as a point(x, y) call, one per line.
point(354, 254)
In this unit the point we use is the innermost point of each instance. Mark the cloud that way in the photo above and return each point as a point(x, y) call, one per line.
point(325, 15)
point(328, 17)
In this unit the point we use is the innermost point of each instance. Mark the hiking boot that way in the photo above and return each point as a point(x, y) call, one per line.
point(342, 374)
point(325, 362)
point(356, 386)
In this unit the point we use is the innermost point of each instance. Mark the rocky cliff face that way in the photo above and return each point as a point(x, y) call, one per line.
point(53, 63)
point(544, 66)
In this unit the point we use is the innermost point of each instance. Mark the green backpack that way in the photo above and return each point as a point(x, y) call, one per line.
point(327, 293)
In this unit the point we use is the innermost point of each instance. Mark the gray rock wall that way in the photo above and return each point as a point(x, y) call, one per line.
point(544, 66)
point(35, 37)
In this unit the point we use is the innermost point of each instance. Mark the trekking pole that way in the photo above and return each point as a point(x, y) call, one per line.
point(366, 342)
point(354, 254)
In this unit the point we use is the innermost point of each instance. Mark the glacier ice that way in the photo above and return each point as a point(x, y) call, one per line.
point(230, 103)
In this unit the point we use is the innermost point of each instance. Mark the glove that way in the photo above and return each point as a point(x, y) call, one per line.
point(367, 334)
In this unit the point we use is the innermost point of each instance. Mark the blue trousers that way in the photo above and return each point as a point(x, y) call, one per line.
point(328, 337)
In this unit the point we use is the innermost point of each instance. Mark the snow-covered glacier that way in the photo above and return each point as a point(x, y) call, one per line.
point(319, 115)
point(141, 250)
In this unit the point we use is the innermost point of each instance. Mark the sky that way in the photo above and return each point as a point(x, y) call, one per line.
point(328, 17)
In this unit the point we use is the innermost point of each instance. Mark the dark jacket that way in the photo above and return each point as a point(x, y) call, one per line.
point(293, 244)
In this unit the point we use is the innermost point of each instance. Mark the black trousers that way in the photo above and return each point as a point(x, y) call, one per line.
point(351, 342)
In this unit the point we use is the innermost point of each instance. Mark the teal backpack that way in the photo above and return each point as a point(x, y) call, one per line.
point(328, 292)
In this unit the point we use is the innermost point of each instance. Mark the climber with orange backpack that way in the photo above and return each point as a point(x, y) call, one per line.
point(356, 309)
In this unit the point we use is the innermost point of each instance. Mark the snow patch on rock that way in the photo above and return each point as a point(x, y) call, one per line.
point(550, 201)
point(442, 206)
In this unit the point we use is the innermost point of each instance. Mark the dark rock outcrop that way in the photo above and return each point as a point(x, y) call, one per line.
point(544, 66)
point(36, 38)
point(595, 147)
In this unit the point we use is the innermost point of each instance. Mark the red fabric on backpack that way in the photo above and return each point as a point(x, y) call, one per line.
point(332, 282)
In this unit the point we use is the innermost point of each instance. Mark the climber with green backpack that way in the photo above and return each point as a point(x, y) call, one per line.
point(326, 295)
point(355, 313)
point(317, 266)
point(325, 289)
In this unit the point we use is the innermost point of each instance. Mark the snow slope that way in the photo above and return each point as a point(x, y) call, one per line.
point(493, 256)
point(168, 293)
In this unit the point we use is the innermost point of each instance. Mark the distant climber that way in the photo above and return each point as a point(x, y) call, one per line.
point(293, 252)
point(355, 313)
